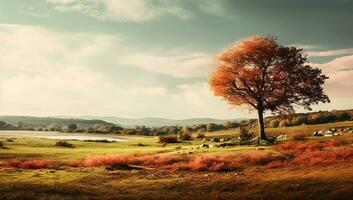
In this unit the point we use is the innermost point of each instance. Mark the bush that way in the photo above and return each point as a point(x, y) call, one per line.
point(72, 127)
point(29, 164)
point(168, 139)
point(2, 146)
point(299, 136)
point(63, 143)
point(183, 136)
point(201, 135)
point(245, 134)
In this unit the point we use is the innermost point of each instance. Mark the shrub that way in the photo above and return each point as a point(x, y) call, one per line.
point(107, 160)
point(201, 135)
point(72, 127)
point(208, 163)
point(29, 164)
point(245, 134)
point(63, 143)
point(299, 136)
point(2, 146)
point(183, 136)
point(168, 139)
point(259, 158)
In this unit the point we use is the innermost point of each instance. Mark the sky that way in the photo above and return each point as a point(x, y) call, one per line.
point(153, 58)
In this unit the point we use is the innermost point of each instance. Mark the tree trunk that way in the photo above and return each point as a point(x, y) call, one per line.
point(262, 135)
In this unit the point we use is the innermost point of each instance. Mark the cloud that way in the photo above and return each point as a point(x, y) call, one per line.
point(174, 63)
point(35, 49)
point(340, 80)
point(330, 52)
point(122, 10)
point(212, 7)
point(62, 73)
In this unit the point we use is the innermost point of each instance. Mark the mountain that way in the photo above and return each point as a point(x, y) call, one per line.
point(155, 122)
point(45, 121)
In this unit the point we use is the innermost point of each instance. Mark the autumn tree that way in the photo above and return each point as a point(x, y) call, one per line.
point(263, 75)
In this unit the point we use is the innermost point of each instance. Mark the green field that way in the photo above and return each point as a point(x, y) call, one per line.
point(317, 182)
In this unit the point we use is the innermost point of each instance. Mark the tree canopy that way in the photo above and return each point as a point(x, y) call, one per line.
point(264, 75)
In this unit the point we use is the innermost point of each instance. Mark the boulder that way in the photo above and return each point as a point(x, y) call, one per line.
point(282, 137)
point(333, 129)
point(337, 134)
point(204, 146)
point(317, 133)
point(215, 140)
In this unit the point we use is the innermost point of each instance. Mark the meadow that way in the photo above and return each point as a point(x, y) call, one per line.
point(305, 167)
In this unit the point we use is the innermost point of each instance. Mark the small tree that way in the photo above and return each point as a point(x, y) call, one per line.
point(72, 127)
point(260, 73)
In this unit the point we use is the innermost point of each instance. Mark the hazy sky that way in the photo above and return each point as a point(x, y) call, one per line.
point(152, 58)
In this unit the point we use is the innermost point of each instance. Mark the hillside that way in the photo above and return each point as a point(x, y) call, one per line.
point(45, 121)
point(157, 122)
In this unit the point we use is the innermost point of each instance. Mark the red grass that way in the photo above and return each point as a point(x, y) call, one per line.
point(313, 154)
point(258, 158)
point(300, 147)
point(207, 163)
point(335, 156)
point(29, 164)
point(135, 159)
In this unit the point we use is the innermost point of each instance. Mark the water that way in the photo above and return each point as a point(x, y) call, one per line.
point(57, 136)
point(82, 138)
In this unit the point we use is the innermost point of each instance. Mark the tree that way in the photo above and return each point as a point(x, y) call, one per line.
point(260, 73)
point(54, 127)
point(72, 127)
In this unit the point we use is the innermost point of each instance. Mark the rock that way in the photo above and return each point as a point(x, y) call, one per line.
point(214, 140)
point(351, 131)
point(333, 129)
point(282, 137)
point(337, 134)
point(204, 146)
point(317, 133)
point(328, 135)
point(260, 148)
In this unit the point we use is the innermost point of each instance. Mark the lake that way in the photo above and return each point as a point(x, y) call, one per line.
point(58, 136)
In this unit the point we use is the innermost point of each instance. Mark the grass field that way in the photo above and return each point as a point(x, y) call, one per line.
point(327, 178)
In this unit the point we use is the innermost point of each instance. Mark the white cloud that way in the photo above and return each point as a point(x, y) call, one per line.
point(122, 10)
point(330, 52)
point(147, 90)
point(340, 71)
point(173, 63)
point(35, 49)
point(58, 73)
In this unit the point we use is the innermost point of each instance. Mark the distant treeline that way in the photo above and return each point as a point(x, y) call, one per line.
point(320, 117)
point(99, 126)
point(29, 122)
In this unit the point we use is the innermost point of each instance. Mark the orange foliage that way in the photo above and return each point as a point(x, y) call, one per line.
point(267, 76)
point(29, 164)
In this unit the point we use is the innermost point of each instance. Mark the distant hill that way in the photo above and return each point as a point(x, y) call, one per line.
point(156, 122)
point(45, 121)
